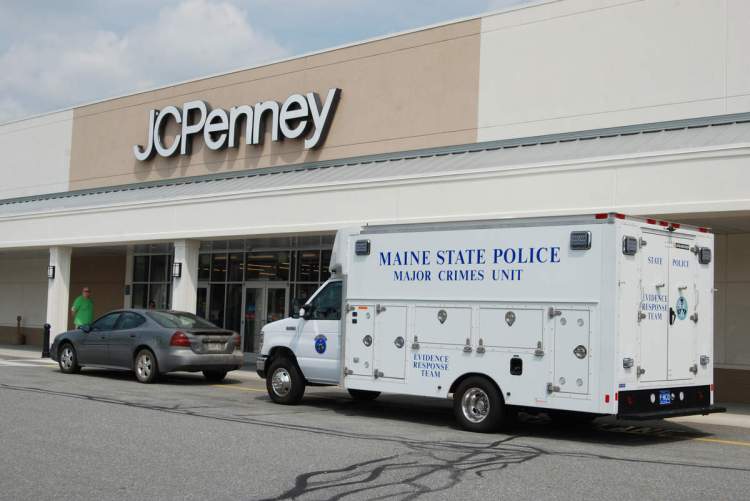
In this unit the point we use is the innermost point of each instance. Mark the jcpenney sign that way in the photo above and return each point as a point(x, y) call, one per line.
point(299, 116)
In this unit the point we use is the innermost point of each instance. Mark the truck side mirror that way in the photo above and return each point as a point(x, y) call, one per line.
point(306, 311)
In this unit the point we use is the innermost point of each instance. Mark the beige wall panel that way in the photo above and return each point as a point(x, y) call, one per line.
point(414, 91)
point(738, 258)
point(105, 275)
point(737, 337)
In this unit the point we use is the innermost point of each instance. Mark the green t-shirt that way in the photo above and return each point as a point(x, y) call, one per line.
point(84, 311)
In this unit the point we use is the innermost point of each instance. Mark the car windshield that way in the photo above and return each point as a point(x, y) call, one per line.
point(180, 320)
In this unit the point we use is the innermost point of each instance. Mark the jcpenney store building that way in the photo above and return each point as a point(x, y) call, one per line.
point(222, 195)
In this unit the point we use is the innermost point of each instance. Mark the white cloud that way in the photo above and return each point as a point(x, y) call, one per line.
point(185, 40)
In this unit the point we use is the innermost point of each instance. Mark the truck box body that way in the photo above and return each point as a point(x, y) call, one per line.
point(599, 314)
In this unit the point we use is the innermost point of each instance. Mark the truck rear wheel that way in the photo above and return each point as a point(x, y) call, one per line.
point(363, 394)
point(285, 383)
point(478, 405)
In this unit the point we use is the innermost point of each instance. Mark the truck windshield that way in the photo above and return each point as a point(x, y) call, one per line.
point(180, 320)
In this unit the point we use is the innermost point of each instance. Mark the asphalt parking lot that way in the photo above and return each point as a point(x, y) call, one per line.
point(101, 435)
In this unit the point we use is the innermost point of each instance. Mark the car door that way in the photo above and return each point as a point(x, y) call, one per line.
point(317, 344)
point(121, 340)
point(93, 347)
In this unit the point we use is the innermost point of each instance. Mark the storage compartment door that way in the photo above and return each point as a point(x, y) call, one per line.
point(572, 351)
point(360, 338)
point(511, 327)
point(390, 342)
point(682, 299)
point(654, 308)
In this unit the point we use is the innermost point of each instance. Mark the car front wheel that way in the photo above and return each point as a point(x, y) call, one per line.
point(68, 359)
point(285, 383)
point(146, 367)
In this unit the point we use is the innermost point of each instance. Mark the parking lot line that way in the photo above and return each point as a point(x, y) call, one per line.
point(725, 442)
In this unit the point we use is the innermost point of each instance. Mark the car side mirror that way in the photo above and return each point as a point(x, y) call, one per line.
point(85, 328)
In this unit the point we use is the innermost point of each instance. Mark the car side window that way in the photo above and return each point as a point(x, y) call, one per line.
point(106, 323)
point(327, 304)
point(129, 320)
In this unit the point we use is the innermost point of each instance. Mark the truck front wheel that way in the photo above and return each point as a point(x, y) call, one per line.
point(478, 406)
point(285, 383)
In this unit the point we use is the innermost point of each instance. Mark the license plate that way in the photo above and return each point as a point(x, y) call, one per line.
point(215, 346)
point(665, 397)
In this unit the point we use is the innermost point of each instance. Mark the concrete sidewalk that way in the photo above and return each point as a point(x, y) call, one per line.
point(737, 415)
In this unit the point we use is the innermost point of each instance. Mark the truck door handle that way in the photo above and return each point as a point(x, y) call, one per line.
point(672, 316)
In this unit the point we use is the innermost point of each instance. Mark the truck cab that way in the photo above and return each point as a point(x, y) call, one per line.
point(306, 345)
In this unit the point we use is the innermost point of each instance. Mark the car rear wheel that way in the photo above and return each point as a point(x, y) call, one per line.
point(478, 406)
point(68, 359)
point(363, 395)
point(285, 383)
point(146, 366)
point(215, 376)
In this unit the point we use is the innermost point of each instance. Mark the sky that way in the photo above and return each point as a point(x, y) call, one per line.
point(55, 55)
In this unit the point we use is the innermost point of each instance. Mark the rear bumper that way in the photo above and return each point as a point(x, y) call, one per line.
point(658, 403)
point(187, 360)
point(260, 365)
point(668, 413)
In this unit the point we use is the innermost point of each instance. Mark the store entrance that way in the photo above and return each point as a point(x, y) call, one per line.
point(263, 302)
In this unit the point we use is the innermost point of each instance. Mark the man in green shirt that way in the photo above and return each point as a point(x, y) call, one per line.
point(83, 309)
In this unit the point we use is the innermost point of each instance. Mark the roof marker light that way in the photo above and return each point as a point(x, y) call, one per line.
point(620, 216)
point(602, 215)
point(704, 230)
point(663, 223)
point(651, 221)
point(675, 225)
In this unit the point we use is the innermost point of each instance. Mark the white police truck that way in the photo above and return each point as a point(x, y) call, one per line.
point(575, 317)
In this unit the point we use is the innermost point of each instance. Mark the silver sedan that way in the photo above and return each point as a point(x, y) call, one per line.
point(150, 342)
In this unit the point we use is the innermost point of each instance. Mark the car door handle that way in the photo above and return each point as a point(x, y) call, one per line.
point(132, 335)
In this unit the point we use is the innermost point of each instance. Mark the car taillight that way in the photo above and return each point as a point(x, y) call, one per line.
point(237, 341)
point(179, 339)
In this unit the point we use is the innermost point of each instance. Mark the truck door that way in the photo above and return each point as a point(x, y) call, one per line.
point(682, 302)
point(572, 350)
point(654, 312)
point(389, 342)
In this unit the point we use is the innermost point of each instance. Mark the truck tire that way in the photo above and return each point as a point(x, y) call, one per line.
point(479, 406)
point(285, 383)
point(363, 395)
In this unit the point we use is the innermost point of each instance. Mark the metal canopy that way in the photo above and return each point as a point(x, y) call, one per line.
point(624, 142)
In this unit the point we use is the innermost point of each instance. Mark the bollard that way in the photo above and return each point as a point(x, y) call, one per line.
point(45, 341)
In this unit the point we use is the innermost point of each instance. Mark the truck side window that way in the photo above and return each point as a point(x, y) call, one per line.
point(327, 304)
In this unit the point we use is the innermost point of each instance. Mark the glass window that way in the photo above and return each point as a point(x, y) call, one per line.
point(140, 295)
point(140, 269)
point(179, 320)
point(325, 261)
point(202, 302)
point(204, 267)
point(159, 265)
point(218, 267)
point(106, 323)
point(271, 265)
point(216, 304)
point(159, 294)
point(235, 266)
point(129, 320)
point(234, 307)
point(308, 266)
point(327, 304)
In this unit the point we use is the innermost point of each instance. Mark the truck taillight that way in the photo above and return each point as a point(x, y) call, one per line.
point(179, 338)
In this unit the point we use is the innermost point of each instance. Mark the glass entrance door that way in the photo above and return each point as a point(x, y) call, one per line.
point(264, 303)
